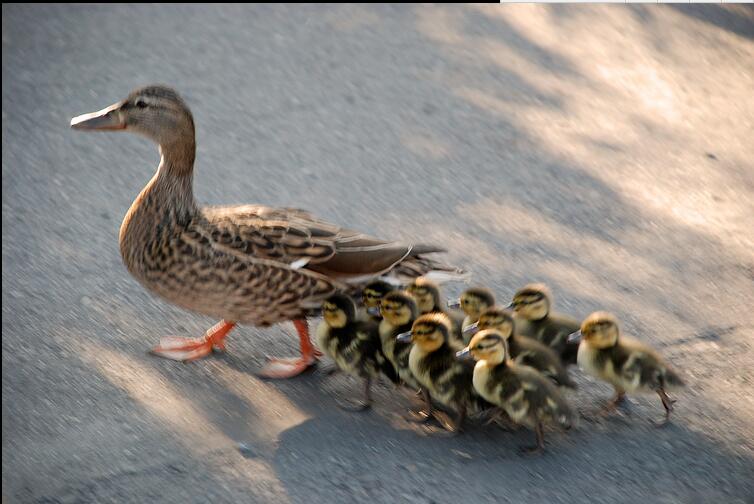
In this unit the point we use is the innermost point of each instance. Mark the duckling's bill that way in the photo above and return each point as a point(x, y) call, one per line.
point(463, 354)
point(574, 337)
point(404, 337)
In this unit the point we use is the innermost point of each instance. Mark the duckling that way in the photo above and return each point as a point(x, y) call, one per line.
point(523, 350)
point(429, 300)
point(427, 295)
point(535, 319)
point(371, 297)
point(525, 394)
point(398, 310)
point(628, 365)
point(243, 264)
point(353, 344)
point(434, 365)
point(473, 302)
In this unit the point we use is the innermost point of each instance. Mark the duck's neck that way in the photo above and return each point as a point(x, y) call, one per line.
point(167, 202)
point(173, 183)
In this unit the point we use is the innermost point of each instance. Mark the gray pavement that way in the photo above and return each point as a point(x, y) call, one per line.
point(603, 150)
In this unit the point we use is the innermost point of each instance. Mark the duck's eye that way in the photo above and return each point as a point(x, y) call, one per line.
point(139, 103)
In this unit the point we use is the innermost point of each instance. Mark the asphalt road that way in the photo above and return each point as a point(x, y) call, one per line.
point(603, 150)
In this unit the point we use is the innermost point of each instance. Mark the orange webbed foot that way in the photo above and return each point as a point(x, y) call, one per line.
point(287, 367)
point(189, 349)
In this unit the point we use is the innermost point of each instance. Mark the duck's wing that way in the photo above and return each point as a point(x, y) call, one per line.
point(301, 240)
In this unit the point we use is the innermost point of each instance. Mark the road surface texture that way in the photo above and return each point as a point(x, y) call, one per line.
point(606, 151)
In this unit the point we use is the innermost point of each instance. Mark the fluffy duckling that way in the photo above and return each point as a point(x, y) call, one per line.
point(525, 394)
point(523, 350)
point(353, 344)
point(473, 302)
point(628, 365)
point(427, 295)
point(434, 365)
point(371, 297)
point(429, 300)
point(535, 319)
point(398, 310)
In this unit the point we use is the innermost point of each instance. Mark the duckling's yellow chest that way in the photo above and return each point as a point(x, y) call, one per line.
point(591, 362)
point(388, 340)
point(441, 388)
point(481, 383)
point(345, 358)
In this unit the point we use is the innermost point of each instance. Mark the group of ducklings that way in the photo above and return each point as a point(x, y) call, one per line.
point(522, 351)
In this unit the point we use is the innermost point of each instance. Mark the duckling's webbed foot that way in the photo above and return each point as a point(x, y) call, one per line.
point(452, 427)
point(328, 370)
point(189, 349)
point(424, 415)
point(618, 399)
point(539, 449)
point(359, 405)
point(353, 406)
point(290, 367)
point(667, 403)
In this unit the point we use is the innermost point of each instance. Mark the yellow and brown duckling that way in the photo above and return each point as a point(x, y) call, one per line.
point(628, 365)
point(473, 302)
point(398, 311)
point(427, 295)
point(372, 295)
point(525, 351)
point(535, 319)
point(526, 395)
point(442, 376)
point(353, 344)
point(429, 300)
point(243, 264)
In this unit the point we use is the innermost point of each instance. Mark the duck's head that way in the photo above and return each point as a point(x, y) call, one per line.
point(430, 331)
point(156, 112)
point(475, 300)
point(426, 293)
point(598, 330)
point(488, 345)
point(497, 318)
point(373, 294)
point(532, 302)
point(398, 308)
point(338, 310)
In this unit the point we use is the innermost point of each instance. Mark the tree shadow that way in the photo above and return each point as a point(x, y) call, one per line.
point(738, 19)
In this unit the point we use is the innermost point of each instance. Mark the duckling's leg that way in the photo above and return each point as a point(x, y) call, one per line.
point(188, 349)
point(452, 427)
point(618, 399)
point(540, 447)
point(667, 402)
point(422, 416)
point(360, 405)
point(294, 366)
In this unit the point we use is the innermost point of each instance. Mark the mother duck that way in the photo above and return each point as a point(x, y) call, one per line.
point(242, 264)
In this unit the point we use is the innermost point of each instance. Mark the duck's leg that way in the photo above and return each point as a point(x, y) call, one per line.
point(188, 349)
point(294, 366)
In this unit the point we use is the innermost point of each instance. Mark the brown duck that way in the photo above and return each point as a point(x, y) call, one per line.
point(243, 264)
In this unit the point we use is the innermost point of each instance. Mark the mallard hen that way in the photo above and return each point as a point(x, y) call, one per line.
point(243, 264)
